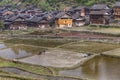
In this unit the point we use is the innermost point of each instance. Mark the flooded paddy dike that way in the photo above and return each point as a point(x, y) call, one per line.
point(64, 59)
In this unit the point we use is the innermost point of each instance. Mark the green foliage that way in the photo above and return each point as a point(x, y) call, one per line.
point(90, 47)
point(1, 25)
point(57, 4)
point(30, 68)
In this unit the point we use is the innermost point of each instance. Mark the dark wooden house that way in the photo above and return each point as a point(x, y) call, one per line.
point(81, 10)
point(39, 22)
point(78, 20)
point(116, 11)
point(100, 14)
point(16, 22)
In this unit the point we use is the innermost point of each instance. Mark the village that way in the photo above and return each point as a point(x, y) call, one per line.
point(73, 43)
point(97, 14)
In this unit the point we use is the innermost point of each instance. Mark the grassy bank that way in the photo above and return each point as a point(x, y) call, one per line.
point(90, 47)
point(10, 76)
point(38, 42)
point(84, 46)
point(28, 49)
point(112, 31)
point(30, 68)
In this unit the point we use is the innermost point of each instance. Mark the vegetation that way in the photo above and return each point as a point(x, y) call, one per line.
point(90, 47)
point(30, 68)
point(26, 67)
point(87, 47)
point(15, 77)
point(109, 31)
point(1, 25)
point(55, 4)
point(39, 42)
point(18, 32)
point(28, 49)
point(44, 32)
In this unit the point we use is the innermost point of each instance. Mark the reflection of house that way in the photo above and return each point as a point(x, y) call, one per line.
point(17, 22)
point(63, 20)
point(100, 14)
point(116, 9)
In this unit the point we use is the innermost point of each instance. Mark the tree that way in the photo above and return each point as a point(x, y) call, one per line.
point(2, 24)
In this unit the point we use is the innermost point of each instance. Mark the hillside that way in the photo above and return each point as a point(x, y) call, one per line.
point(55, 4)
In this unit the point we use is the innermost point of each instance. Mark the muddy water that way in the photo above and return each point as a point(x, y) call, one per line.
point(99, 68)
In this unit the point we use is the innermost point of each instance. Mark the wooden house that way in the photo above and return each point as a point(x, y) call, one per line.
point(116, 11)
point(44, 23)
point(100, 14)
point(7, 13)
point(17, 22)
point(39, 22)
point(63, 19)
point(81, 10)
point(78, 20)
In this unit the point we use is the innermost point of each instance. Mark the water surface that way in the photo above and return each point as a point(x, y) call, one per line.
point(12, 52)
point(99, 68)
point(34, 75)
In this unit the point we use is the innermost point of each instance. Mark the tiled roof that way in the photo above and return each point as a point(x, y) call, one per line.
point(76, 15)
point(79, 7)
point(97, 12)
point(98, 6)
point(117, 4)
point(60, 14)
point(13, 18)
point(35, 19)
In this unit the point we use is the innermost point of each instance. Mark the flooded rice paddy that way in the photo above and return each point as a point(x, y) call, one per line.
point(98, 68)
point(11, 52)
point(30, 74)
point(55, 58)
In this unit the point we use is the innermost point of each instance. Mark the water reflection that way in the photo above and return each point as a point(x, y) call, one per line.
point(29, 74)
point(2, 46)
point(11, 51)
point(10, 54)
point(99, 68)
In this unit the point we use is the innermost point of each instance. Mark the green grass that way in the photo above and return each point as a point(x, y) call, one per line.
point(31, 68)
point(28, 49)
point(104, 30)
point(115, 51)
point(11, 76)
point(38, 42)
point(4, 76)
point(45, 32)
point(18, 32)
point(90, 47)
